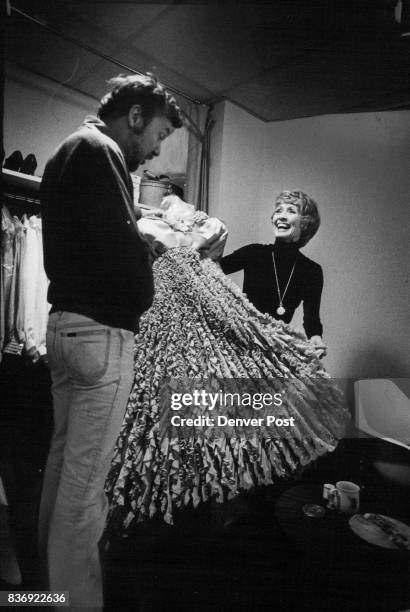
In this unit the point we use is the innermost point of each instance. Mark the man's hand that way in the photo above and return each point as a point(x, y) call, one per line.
point(151, 213)
point(320, 348)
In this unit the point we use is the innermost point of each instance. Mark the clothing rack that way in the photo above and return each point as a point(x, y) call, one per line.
point(15, 198)
point(21, 190)
point(24, 307)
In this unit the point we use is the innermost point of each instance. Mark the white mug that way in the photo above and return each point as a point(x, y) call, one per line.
point(345, 496)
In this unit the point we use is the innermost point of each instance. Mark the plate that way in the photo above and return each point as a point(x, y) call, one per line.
point(381, 530)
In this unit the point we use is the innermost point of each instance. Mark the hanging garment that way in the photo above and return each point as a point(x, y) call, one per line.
point(201, 326)
point(27, 281)
point(17, 338)
point(31, 303)
point(7, 269)
point(37, 309)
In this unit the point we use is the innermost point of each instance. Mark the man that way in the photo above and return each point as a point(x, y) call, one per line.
point(101, 282)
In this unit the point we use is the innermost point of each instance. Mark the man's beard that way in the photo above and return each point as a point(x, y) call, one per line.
point(133, 165)
point(138, 155)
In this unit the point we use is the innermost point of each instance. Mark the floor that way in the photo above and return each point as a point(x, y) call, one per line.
point(213, 558)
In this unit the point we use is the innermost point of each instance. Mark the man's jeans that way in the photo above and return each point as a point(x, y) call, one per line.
point(92, 372)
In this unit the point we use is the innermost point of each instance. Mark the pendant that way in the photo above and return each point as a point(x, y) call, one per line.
point(280, 310)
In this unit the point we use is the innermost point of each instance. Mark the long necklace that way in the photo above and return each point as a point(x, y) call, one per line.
point(281, 309)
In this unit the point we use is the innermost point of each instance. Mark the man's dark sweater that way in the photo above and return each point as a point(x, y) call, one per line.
point(98, 263)
point(260, 285)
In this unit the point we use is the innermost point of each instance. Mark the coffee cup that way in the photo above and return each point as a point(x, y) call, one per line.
point(344, 496)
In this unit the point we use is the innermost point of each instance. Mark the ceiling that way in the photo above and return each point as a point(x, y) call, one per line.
point(277, 59)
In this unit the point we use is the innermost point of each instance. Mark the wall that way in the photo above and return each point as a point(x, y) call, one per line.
point(236, 174)
point(356, 167)
point(39, 114)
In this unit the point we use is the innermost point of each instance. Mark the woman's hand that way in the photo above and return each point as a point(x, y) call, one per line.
point(320, 348)
point(215, 243)
point(198, 242)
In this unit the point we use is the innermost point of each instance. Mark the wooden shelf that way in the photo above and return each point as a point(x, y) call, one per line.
point(22, 181)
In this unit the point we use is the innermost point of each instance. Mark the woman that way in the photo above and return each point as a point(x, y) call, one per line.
point(278, 277)
point(201, 333)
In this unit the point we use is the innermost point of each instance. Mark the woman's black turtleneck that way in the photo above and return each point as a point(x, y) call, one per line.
point(259, 283)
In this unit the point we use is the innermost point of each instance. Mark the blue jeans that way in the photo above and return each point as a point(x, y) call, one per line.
point(92, 371)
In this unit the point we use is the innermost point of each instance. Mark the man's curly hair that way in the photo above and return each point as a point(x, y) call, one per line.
point(144, 90)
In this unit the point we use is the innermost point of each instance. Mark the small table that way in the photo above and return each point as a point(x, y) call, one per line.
point(336, 566)
point(330, 532)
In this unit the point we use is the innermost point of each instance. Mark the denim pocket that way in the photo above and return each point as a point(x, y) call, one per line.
point(86, 354)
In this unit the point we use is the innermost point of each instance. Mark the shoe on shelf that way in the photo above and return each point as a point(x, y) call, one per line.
point(14, 162)
point(29, 164)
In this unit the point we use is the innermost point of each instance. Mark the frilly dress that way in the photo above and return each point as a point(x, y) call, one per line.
point(202, 328)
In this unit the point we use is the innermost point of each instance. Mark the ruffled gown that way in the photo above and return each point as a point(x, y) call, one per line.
point(201, 328)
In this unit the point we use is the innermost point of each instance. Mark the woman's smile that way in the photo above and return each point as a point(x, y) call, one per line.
point(286, 220)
